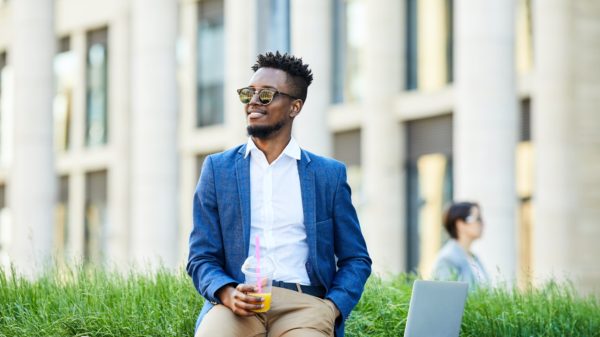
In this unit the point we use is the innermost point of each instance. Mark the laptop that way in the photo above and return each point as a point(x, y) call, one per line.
point(436, 309)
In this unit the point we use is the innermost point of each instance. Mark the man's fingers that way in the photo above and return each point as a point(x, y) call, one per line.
point(248, 298)
point(248, 302)
point(242, 294)
point(248, 306)
point(243, 303)
point(245, 288)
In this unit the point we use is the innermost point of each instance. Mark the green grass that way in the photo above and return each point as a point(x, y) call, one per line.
point(98, 304)
point(552, 310)
point(95, 303)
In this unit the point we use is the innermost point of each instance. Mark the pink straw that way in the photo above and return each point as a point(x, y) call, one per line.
point(257, 254)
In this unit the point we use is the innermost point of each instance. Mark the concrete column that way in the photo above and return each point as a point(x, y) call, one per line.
point(554, 205)
point(32, 182)
point(383, 221)
point(75, 244)
point(118, 173)
point(187, 56)
point(567, 142)
point(240, 55)
point(311, 127)
point(485, 125)
point(154, 159)
point(586, 81)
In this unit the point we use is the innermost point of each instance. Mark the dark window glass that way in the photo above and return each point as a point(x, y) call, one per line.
point(199, 162)
point(349, 37)
point(450, 43)
point(346, 147)
point(411, 45)
point(273, 25)
point(211, 66)
point(429, 158)
point(96, 129)
point(2, 65)
point(2, 197)
point(95, 231)
point(525, 134)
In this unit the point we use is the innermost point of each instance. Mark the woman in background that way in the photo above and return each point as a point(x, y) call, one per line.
point(455, 261)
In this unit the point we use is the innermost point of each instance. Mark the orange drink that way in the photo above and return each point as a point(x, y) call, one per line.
point(259, 274)
point(267, 302)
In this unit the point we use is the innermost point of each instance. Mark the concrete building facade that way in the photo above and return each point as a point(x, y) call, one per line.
point(108, 109)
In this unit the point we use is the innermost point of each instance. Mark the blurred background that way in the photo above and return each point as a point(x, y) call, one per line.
point(109, 107)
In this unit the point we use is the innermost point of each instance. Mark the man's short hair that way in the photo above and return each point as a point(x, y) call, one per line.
point(299, 75)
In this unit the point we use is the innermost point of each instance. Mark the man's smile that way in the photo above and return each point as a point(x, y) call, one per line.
point(254, 114)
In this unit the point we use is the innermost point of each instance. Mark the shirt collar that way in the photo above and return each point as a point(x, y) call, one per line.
point(292, 150)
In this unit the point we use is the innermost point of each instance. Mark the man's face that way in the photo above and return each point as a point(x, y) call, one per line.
point(266, 120)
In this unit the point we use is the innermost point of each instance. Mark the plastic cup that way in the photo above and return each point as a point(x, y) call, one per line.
point(260, 275)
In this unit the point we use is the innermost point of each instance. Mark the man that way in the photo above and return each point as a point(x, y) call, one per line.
point(299, 206)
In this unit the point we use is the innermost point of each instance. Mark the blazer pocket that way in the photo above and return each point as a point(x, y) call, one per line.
point(325, 229)
point(327, 222)
point(325, 238)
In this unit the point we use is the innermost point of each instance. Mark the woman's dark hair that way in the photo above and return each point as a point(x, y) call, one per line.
point(457, 211)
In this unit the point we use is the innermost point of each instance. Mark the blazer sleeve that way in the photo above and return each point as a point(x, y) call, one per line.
point(353, 261)
point(206, 257)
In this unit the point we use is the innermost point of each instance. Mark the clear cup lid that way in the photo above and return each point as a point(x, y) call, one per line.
point(251, 266)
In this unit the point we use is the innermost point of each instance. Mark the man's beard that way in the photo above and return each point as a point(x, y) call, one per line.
point(264, 131)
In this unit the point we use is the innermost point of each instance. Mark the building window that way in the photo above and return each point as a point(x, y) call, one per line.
point(273, 26)
point(61, 218)
point(524, 186)
point(65, 73)
point(349, 36)
point(95, 217)
point(199, 163)
point(96, 130)
point(211, 63)
point(429, 189)
point(429, 49)
point(347, 149)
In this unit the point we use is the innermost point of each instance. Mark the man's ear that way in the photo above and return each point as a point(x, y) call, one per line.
point(296, 108)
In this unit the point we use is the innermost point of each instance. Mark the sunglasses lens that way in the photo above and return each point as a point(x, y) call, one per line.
point(246, 95)
point(265, 96)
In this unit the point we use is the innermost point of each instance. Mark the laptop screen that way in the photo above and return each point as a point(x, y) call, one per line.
point(436, 309)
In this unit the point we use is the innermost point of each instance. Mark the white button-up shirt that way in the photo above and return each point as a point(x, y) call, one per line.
point(276, 212)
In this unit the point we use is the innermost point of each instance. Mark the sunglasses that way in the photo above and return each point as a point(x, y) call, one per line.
point(265, 96)
point(472, 219)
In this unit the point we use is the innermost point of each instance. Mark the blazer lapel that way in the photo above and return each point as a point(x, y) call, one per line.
point(242, 167)
point(307, 187)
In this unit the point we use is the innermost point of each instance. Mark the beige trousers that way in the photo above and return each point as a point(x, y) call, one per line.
point(292, 314)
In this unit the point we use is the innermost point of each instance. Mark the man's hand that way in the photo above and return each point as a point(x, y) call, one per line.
point(238, 300)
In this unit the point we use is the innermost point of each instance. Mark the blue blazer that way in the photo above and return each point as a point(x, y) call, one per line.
point(337, 259)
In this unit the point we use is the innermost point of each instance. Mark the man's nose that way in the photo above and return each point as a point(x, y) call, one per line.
point(254, 99)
